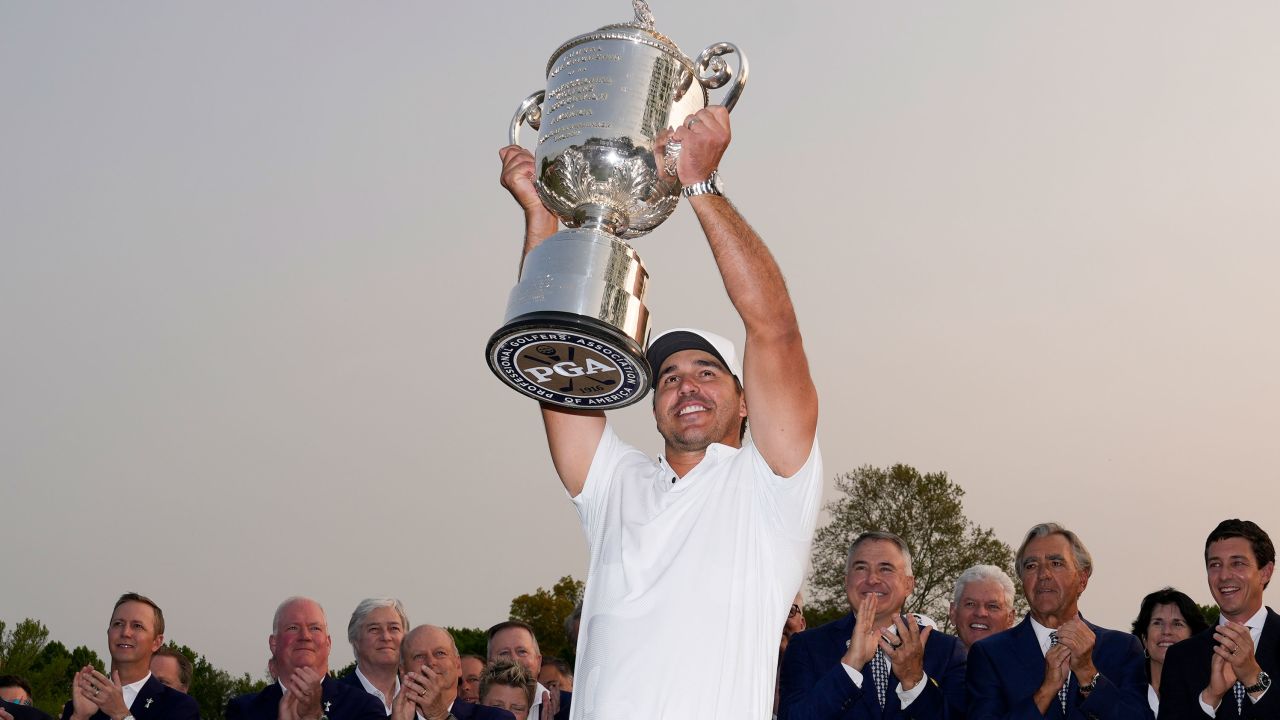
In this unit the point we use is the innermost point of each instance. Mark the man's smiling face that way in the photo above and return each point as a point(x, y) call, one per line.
point(1235, 579)
point(982, 610)
point(131, 636)
point(879, 568)
point(697, 402)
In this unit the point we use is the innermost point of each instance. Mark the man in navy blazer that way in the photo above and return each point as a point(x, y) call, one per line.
point(135, 632)
point(1054, 664)
point(829, 672)
point(375, 631)
point(431, 665)
point(300, 645)
point(1227, 671)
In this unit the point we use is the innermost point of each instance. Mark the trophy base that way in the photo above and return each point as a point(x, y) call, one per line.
point(569, 360)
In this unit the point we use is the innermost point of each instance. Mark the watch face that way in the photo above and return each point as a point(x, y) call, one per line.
point(717, 185)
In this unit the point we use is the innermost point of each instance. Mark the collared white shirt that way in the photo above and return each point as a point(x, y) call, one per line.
point(1043, 636)
point(132, 689)
point(905, 697)
point(369, 688)
point(535, 710)
point(1254, 624)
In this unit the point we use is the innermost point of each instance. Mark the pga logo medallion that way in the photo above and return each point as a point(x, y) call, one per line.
point(569, 369)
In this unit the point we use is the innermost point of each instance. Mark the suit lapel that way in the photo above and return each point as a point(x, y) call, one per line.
point(1268, 651)
point(141, 707)
point(1027, 649)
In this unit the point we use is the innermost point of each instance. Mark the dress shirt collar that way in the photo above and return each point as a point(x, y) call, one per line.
point(1255, 624)
point(1042, 635)
point(374, 691)
point(132, 689)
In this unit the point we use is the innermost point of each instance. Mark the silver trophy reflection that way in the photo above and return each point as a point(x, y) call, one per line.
point(576, 324)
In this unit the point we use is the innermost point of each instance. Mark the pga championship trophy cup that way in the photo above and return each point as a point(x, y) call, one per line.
point(576, 324)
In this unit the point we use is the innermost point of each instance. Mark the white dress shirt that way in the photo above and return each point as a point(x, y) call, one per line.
point(1255, 624)
point(369, 688)
point(132, 689)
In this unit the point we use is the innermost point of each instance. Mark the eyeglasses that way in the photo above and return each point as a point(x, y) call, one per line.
point(795, 610)
point(20, 701)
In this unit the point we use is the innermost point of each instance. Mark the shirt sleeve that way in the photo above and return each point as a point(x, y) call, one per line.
point(791, 504)
point(854, 675)
point(906, 696)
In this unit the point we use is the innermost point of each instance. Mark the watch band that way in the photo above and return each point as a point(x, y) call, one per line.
point(710, 186)
point(1264, 682)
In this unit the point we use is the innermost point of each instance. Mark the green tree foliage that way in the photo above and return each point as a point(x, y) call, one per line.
point(545, 612)
point(472, 641)
point(48, 666)
point(1211, 613)
point(211, 687)
point(344, 670)
point(927, 512)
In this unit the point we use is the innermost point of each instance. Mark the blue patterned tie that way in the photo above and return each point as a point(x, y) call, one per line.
point(1062, 691)
point(880, 674)
point(1239, 688)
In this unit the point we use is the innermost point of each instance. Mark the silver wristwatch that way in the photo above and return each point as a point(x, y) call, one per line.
point(713, 185)
point(1264, 682)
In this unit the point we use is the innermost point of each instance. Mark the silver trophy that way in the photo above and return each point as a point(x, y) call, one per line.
point(576, 323)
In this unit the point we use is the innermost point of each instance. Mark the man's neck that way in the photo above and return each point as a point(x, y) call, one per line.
point(885, 620)
point(286, 671)
point(131, 672)
point(683, 461)
point(1054, 621)
point(381, 677)
point(1243, 616)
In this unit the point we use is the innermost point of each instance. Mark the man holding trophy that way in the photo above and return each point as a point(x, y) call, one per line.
point(696, 556)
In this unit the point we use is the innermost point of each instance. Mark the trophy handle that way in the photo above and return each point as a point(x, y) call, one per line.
point(714, 72)
point(528, 112)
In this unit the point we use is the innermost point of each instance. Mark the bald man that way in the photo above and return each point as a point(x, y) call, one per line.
point(431, 666)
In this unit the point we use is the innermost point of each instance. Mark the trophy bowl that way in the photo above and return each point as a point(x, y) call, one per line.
point(576, 323)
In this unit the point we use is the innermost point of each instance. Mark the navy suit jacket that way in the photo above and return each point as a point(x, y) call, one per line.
point(155, 701)
point(467, 711)
point(1186, 675)
point(461, 710)
point(1006, 669)
point(25, 712)
point(342, 702)
point(816, 686)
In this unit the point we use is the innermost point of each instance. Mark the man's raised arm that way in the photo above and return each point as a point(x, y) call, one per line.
point(572, 435)
point(782, 403)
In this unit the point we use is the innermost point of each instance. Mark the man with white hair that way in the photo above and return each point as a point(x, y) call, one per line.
point(376, 628)
point(703, 548)
point(982, 604)
point(300, 645)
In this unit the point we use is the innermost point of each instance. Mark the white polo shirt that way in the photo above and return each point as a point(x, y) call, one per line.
point(689, 582)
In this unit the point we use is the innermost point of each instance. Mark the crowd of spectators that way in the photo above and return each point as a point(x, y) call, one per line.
point(875, 662)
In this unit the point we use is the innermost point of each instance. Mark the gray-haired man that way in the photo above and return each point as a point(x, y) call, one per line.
point(376, 629)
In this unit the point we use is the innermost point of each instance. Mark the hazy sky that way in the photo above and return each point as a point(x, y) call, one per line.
point(250, 254)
